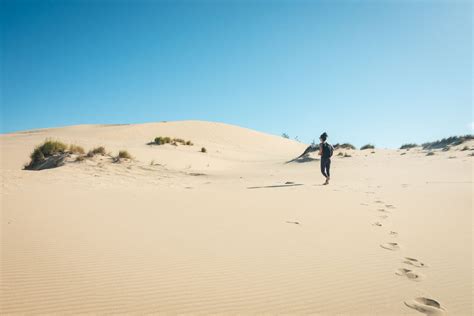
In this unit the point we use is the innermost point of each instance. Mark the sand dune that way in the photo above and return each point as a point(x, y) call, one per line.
point(236, 230)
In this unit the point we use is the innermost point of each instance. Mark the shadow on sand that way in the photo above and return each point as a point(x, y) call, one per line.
point(276, 186)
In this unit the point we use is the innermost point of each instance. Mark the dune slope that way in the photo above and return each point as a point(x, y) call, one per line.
point(233, 230)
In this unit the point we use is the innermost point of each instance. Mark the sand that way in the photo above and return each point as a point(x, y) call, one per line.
point(235, 230)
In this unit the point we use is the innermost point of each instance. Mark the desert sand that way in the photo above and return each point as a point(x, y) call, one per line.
point(235, 230)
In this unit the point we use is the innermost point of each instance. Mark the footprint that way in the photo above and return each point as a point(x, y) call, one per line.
point(393, 233)
point(427, 306)
point(389, 206)
point(410, 274)
point(390, 246)
point(383, 216)
point(364, 204)
point(379, 202)
point(414, 262)
point(377, 224)
point(383, 210)
point(296, 223)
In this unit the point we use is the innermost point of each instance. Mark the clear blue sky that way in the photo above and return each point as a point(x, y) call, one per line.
point(385, 72)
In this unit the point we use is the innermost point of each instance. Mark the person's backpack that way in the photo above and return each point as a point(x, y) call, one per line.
point(327, 150)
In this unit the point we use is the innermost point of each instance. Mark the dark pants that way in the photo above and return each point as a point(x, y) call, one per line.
point(325, 166)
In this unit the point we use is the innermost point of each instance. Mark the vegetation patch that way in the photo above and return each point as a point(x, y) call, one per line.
point(123, 154)
point(49, 154)
point(368, 146)
point(450, 141)
point(75, 149)
point(203, 150)
point(168, 140)
point(344, 146)
point(408, 146)
point(96, 151)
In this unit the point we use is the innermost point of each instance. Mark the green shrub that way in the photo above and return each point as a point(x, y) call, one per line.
point(344, 146)
point(45, 150)
point(285, 135)
point(368, 146)
point(450, 141)
point(96, 151)
point(76, 149)
point(123, 154)
point(408, 146)
point(168, 140)
point(162, 140)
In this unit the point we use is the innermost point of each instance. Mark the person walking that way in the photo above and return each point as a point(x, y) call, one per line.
point(325, 151)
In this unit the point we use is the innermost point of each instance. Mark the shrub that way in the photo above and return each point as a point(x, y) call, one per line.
point(80, 158)
point(368, 146)
point(344, 146)
point(340, 154)
point(408, 146)
point(76, 149)
point(430, 153)
point(403, 154)
point(203, 150)
point(96, 151)
point(285, 135)
point(123, 154)
point(450, 141)
point(346, 155)
point(168, 140)
point(465, 148)
point(46, 150)
point(50, 147)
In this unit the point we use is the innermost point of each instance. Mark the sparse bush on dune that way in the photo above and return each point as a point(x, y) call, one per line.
point(96, 151)
point(43, 152)
point(75, 149)
point(168, 140)
point(344, 146)
point(123, 154)
point(465, 148)
point(203, 150)
point(346, 155)
point(430, 153)
point(80, 158)
point(340, 154)
point(368, 146)
point(450, 141)
point(408, 146)
point(285, 135)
